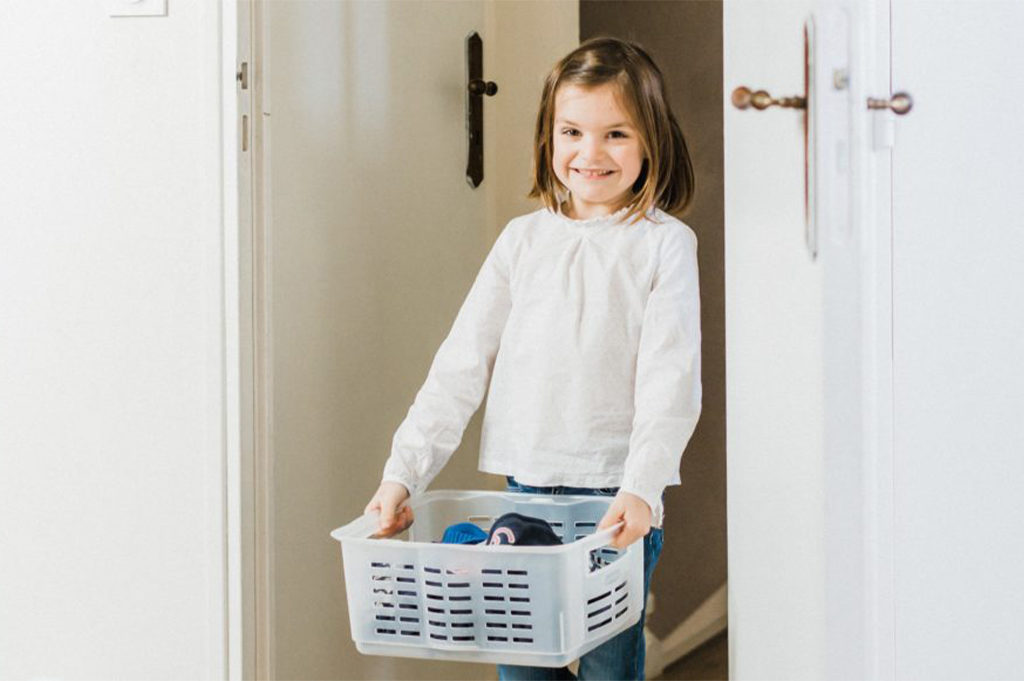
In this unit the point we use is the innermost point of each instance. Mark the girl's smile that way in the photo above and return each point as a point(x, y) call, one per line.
point(593, 174)
point(597, 154)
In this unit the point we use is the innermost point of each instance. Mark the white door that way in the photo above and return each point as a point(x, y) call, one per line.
point(874, 392)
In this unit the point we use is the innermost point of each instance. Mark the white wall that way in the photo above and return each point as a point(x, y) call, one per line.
point(958, 324)
point(112, 454)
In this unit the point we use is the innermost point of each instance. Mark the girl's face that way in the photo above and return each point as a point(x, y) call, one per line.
point(596, 151)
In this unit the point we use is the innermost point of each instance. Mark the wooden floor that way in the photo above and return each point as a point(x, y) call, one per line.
point(710, 662)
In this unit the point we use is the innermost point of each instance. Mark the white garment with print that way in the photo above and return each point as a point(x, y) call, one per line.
point(588, 333)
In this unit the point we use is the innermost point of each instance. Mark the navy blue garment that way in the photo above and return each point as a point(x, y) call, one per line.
point(623, 655)
point(522, 530)
point(463, 533)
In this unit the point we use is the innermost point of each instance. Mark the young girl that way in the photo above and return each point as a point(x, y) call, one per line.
point(584, 320)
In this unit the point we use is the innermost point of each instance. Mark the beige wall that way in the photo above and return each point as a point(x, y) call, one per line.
point(685, 40)
point(528, 38)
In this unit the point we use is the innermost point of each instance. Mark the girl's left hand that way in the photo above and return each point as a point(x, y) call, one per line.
point(636, 514)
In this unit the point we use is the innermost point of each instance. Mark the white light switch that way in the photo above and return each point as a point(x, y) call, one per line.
point(137, 8)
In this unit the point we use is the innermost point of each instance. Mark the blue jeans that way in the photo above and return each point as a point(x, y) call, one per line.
point(620, 657)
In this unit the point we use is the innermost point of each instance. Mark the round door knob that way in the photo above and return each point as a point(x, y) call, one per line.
point(900, 103)
point(480, 87)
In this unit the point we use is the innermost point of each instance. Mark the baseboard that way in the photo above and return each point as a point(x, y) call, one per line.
point(707, 621)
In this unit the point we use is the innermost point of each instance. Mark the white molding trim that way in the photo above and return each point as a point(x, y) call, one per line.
point(262, 365)
point(877, 228)
point(706, 622)
point(249, 629)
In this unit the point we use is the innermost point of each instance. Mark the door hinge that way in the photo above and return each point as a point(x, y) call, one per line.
point(242, 76)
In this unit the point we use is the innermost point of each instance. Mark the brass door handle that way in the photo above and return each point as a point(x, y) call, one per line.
point(900, 103)
point(827, 104)
point(743, 98)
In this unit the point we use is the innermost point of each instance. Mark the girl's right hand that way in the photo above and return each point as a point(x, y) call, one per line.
point(394, 518)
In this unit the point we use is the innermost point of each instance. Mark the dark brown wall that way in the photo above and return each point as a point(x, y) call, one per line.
point(684, 37)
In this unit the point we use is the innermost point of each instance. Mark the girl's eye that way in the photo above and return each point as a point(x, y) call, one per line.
point(573, 131)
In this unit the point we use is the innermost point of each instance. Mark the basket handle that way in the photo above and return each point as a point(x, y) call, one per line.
point(601, 538)
point(364, 526)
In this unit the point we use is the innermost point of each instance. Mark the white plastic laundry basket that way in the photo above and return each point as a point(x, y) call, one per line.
point(525, 605)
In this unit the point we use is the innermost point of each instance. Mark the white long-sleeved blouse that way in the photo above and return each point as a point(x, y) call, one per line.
point(588, 332)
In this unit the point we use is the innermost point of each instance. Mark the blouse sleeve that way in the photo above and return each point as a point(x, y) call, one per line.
point(457, 379)
point(667, 391)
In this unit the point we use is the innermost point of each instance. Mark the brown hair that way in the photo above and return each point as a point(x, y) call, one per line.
point(666, 177)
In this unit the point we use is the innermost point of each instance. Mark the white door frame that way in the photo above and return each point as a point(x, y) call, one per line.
point(262, 505)
point(860, 640)
point(874, 216)
point(248, 636)
point(859, 594)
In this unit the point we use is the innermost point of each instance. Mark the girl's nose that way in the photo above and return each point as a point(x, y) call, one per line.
point(593, 149)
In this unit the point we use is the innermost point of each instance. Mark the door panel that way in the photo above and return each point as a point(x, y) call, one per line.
point(374, 237)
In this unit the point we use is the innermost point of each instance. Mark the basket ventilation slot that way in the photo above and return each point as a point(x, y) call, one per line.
point(600, 608)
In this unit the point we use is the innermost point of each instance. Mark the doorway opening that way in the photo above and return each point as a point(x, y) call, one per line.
point(361, 241)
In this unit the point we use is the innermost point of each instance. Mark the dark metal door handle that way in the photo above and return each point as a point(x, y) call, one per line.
point(480, 87)
point(475, 90)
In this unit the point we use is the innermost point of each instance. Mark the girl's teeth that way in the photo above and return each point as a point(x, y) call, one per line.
point(590, 174)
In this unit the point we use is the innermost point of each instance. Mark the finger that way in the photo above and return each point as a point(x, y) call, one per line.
point(624, 538)
point(628, 534)
point(640, 523)
point(617, 538)
point(611, 516)
point(387, 516)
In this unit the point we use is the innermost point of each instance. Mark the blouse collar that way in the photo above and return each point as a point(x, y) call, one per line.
point(599, 220)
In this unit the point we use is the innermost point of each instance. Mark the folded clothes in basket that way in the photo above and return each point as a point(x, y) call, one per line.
point(463, 533)
point(522, 530)
point(513, 528)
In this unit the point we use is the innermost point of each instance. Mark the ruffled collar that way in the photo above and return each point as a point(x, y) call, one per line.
point(597, 221)
point(600, 220)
